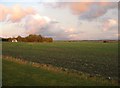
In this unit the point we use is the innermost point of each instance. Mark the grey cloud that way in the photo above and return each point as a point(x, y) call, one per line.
point(92, 10)
point(96, 11)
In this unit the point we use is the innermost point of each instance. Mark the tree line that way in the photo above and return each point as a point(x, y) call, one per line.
point(30, 38)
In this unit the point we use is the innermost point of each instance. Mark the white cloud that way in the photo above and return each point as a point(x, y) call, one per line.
point(109, 24)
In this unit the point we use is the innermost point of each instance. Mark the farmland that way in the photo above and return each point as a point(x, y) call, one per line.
point(95, 58)
point(30, 75)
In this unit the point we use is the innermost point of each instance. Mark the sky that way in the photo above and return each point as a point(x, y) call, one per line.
point(59, 20)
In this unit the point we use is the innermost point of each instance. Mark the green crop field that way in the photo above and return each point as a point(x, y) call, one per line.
point(28, 75)
point(95, 58)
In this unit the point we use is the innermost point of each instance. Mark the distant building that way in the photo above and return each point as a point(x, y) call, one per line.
point(14, 40)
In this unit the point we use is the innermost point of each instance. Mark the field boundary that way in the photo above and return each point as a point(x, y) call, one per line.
point(60, 70)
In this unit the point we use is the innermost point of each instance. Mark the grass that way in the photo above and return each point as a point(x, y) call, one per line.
point(18, 74)
point(90, 57)
point(0, 71)
point(0, 64)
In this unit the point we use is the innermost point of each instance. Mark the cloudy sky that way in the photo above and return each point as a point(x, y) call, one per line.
point(60, 20)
